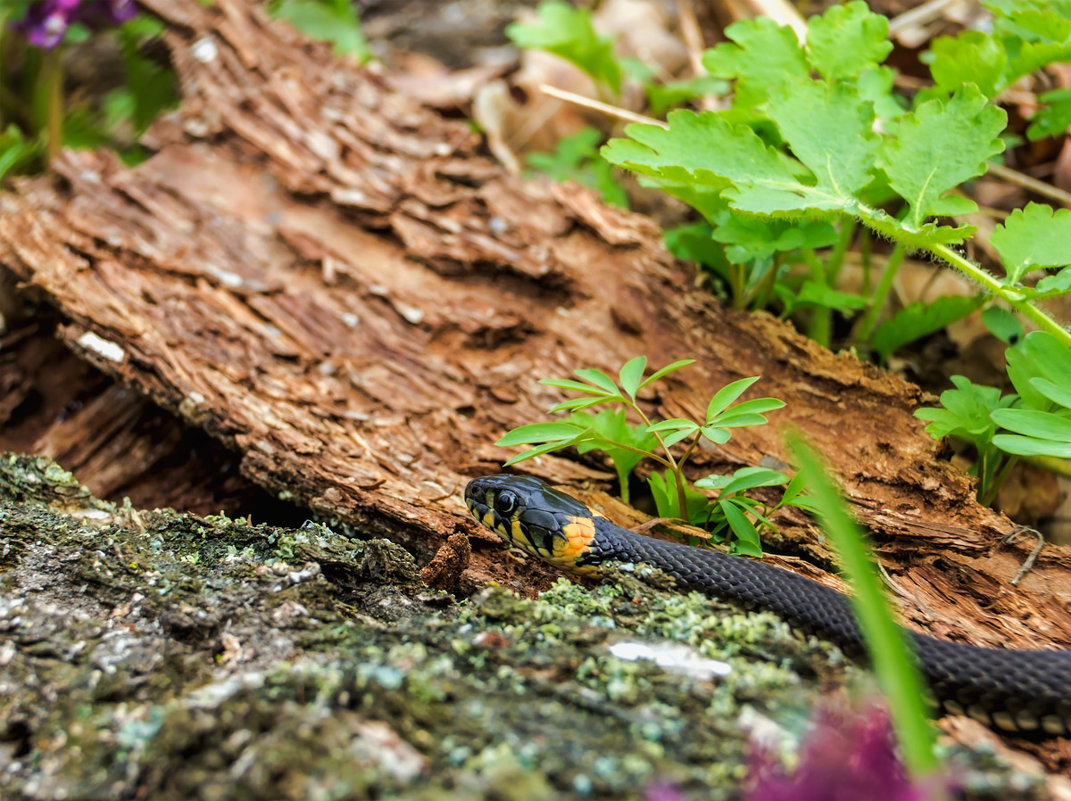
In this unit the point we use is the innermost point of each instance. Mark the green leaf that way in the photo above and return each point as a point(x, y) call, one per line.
point(940, 145)
point(965, 412)
point(673, 438)
point(1058, 393)
point(742, 480)
point(598, 378)
point(612, 430)
point(575, 404)
point(841, 150)
point(733, 420)
point(1029, 446)
point(812, 293)
point(578, 386)
point(15, 150)
point(679, 429)
point(664, 491)
point(971, 57)
point(531, 453)
point(567, 32)
point(760, 56)
point(1033, 237)
point(847, 40)
point(1038, 355)
point(756, 406)
point(662, 97)
point(794, 494)
point(727, 395)
point(1056, 284)
point(674, 424)
point(919, 319)
point(331, 22)
point(577, 158)
point(719, 436)
point(1053, 118)
point(1002, 324)
point(540, 432)
point(1034, 423)
point(749, 236)
point(631, 375)
point(669, 368)
point(747, 540)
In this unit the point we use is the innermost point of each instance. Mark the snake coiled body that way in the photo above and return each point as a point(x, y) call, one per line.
point(1025, 691)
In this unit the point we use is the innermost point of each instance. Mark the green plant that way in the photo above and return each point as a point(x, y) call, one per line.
point(669, 443)
point(577, 158)
point(1036, 419)
point(568, 33)
point(40, 120)
point(795, 152)
point(964, 413)
point(886, 643)
point(332, 21)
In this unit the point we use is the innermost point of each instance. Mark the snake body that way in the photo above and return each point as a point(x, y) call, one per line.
point(1025, 691)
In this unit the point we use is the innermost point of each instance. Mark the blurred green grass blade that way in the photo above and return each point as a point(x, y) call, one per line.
point(887, 644)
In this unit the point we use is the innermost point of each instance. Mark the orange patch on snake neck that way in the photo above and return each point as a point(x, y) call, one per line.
point(580, 532)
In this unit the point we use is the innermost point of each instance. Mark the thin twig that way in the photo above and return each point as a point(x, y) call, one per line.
point(919, 15)
point(1029, 563)
point(1033, 184)
point(598, 105)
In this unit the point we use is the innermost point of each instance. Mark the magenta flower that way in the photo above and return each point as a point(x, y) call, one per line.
point(849, 755)
point(46, 21)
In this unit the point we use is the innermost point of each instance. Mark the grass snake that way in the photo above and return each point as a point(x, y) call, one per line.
point(1025, 691)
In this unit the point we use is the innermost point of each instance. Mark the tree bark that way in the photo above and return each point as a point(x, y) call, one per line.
point(342, 287)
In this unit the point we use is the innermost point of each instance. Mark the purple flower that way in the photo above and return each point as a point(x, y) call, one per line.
point(849, 755)
point(662, 791)
point(46, 21)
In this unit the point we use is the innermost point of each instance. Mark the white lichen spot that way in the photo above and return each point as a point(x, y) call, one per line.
point(229, 279)
point(349, 197)
point(673, 657)
point(102, 347)
point(205, 50)
point(350, 320)
point(412, 314)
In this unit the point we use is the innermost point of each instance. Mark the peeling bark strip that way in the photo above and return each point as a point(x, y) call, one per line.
point(338, 284)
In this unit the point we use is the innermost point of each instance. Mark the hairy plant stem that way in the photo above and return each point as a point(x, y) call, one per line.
point(1006, 293)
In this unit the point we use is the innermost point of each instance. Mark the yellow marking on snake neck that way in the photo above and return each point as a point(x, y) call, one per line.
point(580, 533)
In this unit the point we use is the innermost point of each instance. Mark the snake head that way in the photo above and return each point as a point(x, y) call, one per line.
point(529, 515)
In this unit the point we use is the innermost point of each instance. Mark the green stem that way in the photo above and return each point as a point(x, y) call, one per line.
point(1005, 293)
point(864, 257)
point(836, 257)
point(986, 498)
point(881, 294)
point(737, 284)
point(820, 329)
point(672, 464)
point(52, 86)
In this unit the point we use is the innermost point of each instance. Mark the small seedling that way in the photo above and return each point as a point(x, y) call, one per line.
point(669, 443)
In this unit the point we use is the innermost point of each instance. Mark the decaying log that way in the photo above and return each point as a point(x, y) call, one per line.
point(342, 287)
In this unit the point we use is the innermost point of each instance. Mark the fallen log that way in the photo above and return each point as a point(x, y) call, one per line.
point(342, 287)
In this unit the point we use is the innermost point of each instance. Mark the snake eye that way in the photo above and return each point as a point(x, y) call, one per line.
point(505, 502)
